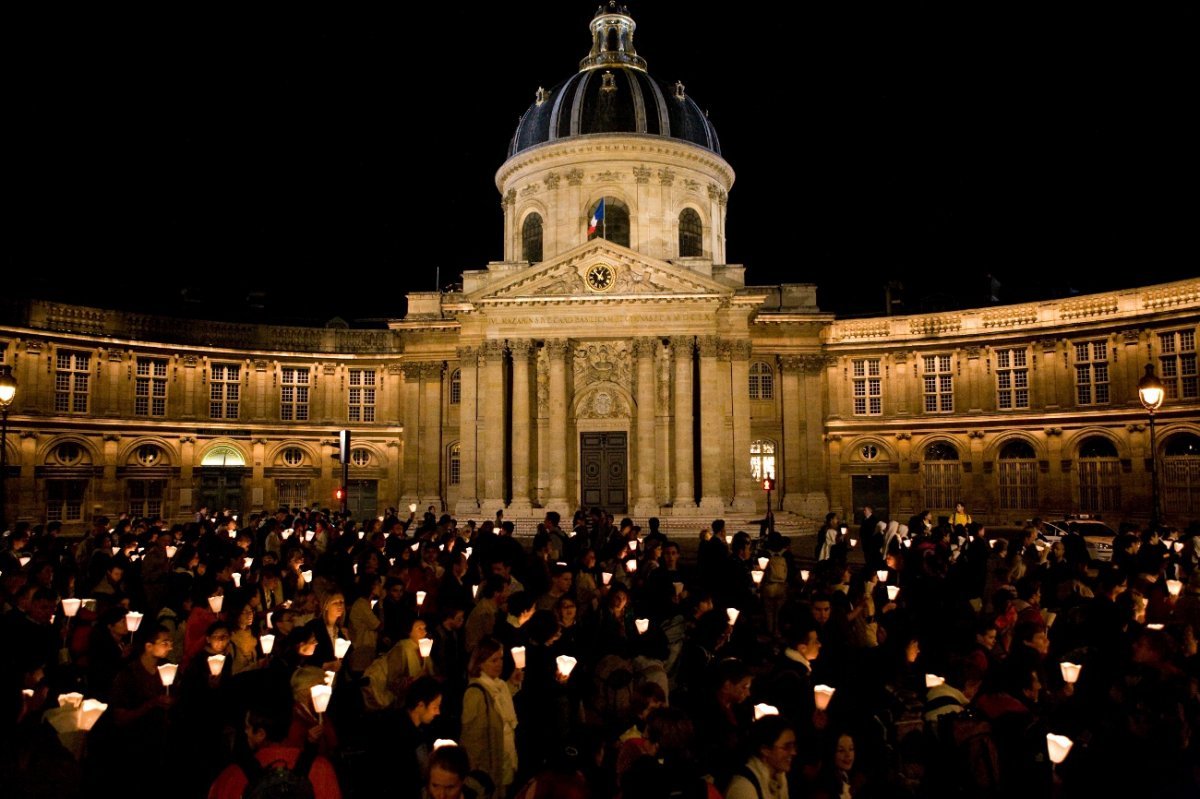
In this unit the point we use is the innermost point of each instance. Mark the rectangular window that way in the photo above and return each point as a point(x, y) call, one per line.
point(1177, 364)
point(868, 388)
point(1012, 379)
point(292, 493)
point(71, 381)
point(1091, 372)
point(293, 395)
point(64, 500)
point(938, 382)
point(150, 388)
point(224, 391)
point(146, 498)
point(362, 395)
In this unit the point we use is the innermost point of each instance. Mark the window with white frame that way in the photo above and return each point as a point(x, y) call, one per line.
point(868, 388)
point(292, 493)
point(1091, 372)
point(455, 465)
point(456, 387)
point(360, 457)
point(150, 387)
point(64, 500)
point(762, 381)
point(293, 394)
point(224, 390)
point(1177, 364)
point(1012, 378)
point(71, 381)
point(762, 459)
point(938, 382)
point(362, 395)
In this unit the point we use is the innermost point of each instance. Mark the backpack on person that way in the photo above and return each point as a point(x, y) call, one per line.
point(276, 781)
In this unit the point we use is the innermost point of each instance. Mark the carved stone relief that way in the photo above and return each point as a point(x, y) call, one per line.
point(607, 362)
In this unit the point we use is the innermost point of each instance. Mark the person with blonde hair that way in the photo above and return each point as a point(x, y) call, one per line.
point(489, 717)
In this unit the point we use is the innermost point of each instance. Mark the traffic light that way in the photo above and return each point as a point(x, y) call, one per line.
point(768, 484)
point(339, 494)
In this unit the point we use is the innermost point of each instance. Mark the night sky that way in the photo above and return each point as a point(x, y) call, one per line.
point(300, 165)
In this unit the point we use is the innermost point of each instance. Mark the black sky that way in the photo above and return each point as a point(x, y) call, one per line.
point(334, 161)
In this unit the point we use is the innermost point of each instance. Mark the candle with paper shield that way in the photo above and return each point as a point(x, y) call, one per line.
point(475, 591)
point(631, 565)
point(566, 664)
point(762, 563)
point(133, 620)
point(1174, 587)
point(307, 575)
point(27, 693)
point(518, 656)
point(166, 673)
point(308, 534)
point(882, 574)
point(71, 607)
point(763, 709)
point(440, 742)
point(804, 575)
point(330, 676)
point(247, 563)
point(893, 592)
point(216, 602)
point(678, 588)
point(421, 598)
point(89, 713)
point(1058, 746)
point(340, 647)
point(267, 642)
point(606, 577)
point(821, 696)
point(732, 614)
point(412, 507)
point(216, 664)
point(632, 544)
point(1178, 546)
point(853, 543)
point(642, 625)
point(933, 681)
point(237, 580)
point(425, 645)
point(320, 698)
point(756, 575)
point(171, 550)
point(1070, 671)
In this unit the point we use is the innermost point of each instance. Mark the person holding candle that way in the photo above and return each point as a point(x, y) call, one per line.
point(489, 717)
point(364, 623)
point(328, 626)
point(388, 676)
point(309, 727)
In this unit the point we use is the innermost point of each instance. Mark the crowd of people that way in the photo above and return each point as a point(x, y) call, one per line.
point(410, 655)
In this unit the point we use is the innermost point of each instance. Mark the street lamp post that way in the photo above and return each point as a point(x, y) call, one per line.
point(1151, 393)
point(8, 390)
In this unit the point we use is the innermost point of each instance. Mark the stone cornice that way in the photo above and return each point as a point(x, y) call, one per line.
point(610, 146)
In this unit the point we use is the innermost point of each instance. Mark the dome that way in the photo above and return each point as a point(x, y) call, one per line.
point(613, 93)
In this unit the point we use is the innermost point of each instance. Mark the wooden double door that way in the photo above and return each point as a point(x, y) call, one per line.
point(604, 471)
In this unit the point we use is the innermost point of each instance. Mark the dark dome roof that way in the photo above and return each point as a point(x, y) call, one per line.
point(613, 93)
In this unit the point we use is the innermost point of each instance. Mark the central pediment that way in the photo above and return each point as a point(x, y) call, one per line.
point(599, 270)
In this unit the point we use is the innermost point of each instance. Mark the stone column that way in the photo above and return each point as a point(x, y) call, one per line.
point(512, 236)
point(522, 392)
point(712, 445)
point(663, 423)
point(429, 461)
point(745, 490)
point(187, 460)
point(556, 445)
point(645, 501)
point(685, 486)
point(410, 491)
point(492, 457)
point(792, 408)
point(468, 493)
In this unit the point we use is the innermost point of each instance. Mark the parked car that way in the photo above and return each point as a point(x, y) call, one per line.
point(1096, 534)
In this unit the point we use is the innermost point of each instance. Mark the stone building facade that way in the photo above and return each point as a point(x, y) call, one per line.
point(613, 358)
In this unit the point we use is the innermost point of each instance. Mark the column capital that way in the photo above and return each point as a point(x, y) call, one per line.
point(557, 347)
point(740, 349)
point(431, 369)
point(682, 345)
point(645, 347)
point(491, 350)
point(520, 347)
point(709, 346)
point(465, 354)
point(412, 370)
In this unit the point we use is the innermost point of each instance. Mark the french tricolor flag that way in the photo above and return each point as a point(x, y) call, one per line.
point(597, 218)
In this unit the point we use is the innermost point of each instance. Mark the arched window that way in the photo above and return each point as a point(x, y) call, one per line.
point(762, 381)
point(455, 466)
point(1018, 473)
point(360, 457)
point(762, 459)
point(223, 456)
point(691, 234)
point(612, 224)
point(293, 456)
point(1099, 475)
point(1181, 476)
point(531, 239)
point(941, 475)
point(456, 387)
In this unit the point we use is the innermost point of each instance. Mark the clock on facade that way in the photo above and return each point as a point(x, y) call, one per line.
point(600, 277)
